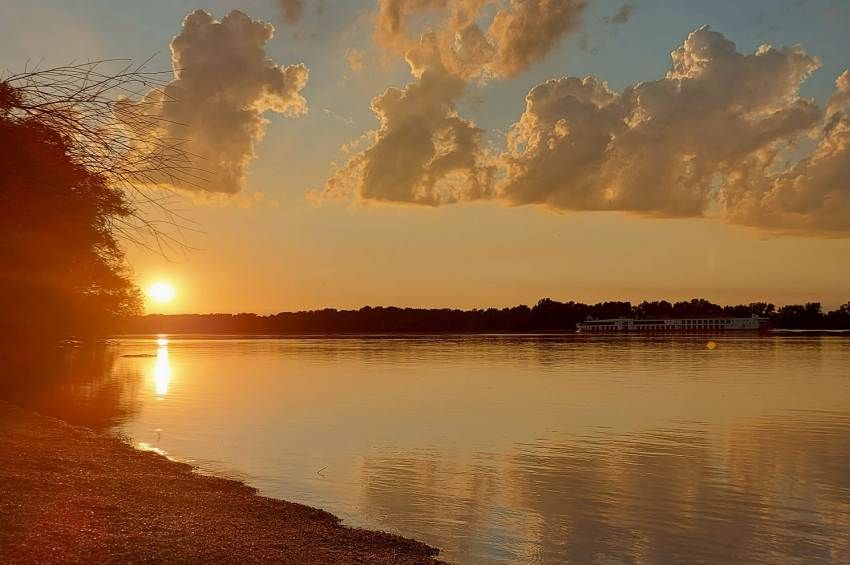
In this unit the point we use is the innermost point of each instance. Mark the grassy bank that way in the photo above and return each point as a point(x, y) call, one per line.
point(70, 495)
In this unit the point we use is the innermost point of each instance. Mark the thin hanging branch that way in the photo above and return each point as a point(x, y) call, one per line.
point(107, 111)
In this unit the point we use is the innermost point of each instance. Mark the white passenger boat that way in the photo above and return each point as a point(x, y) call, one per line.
point(660, 325)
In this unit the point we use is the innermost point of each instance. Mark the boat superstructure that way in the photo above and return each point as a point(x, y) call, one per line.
point(660, 325)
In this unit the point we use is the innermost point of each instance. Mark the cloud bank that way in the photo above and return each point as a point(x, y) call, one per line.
point(660, 145)
point(224, 83)
point(423, 152)
point(519, 34)
point(710, 137)
point(720, 135)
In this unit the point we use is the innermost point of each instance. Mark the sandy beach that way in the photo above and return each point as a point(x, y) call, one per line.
point(68, 494)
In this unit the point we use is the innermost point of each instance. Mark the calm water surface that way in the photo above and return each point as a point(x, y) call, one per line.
point(500, 448)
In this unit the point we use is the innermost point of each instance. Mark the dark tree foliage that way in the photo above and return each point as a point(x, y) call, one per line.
point(546, 316)
point(62, 269)
point(76, 167)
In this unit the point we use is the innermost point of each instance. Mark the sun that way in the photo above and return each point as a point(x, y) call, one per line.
point(161, 292)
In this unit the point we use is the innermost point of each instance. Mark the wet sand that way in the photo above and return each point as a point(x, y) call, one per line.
point(68, 494)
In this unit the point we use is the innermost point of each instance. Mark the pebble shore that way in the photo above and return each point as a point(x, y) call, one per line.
point(70, 495)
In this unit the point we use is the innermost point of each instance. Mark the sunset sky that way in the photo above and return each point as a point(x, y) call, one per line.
point(722, 171)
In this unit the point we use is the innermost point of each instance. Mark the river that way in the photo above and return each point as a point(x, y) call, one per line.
point(549, 449)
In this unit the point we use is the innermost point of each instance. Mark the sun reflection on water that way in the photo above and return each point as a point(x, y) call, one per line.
point(161, 369)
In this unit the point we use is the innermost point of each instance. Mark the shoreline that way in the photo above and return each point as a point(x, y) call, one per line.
point(414, 335)
point(69, 494)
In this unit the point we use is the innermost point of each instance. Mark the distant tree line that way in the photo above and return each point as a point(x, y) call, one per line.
point(545, 316)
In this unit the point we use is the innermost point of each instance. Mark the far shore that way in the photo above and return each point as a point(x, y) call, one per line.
point(460, 334)
point(68, 494)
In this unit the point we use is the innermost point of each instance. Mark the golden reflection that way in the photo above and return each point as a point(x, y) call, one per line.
point(85, 385)
point(774, 484)
point(161, 369)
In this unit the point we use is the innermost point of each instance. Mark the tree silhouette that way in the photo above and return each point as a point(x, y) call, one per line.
point(73, 183)
point(546, 316)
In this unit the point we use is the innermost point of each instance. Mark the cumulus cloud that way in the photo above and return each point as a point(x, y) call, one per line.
point(716, 136)
point(812, 197)
point(526, 31)
point(708, 138)
point(841, 99)
point(423, 152)
point(223, 84)
point(621, 16)
point(392, 24)
point(519, 34)
point(292, 10)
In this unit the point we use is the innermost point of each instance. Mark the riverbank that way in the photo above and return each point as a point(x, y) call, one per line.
point(68, 494)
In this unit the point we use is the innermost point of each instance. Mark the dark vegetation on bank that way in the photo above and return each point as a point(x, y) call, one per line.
point(77, 166)
point(545, 316)
point(61, 270)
